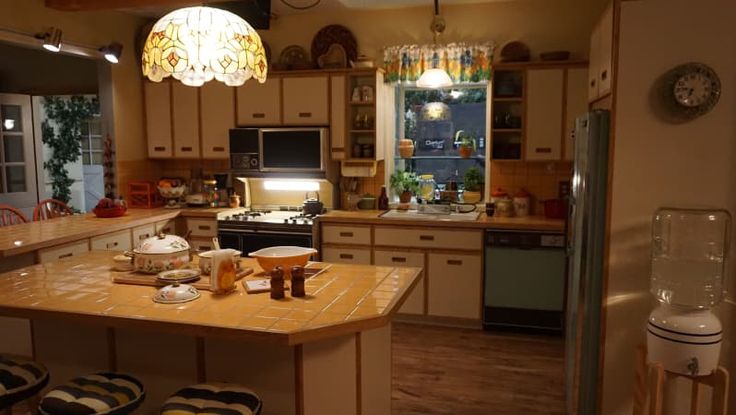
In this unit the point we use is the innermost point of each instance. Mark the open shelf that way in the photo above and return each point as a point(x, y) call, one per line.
point(508, 99)
point(363, 131)
point(507, 130)
point(361, 102)
point(440, 158)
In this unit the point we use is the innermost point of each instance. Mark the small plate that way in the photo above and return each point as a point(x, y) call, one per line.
point(176, 294)
point(179, 275)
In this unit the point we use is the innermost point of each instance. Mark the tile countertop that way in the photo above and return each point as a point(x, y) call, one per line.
point(532, 223)
point(343, 299)
point(31, 236)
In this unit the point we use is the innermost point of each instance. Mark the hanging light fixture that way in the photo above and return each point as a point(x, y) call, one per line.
point(435, 77)
point(198, 44)
point(52, 39)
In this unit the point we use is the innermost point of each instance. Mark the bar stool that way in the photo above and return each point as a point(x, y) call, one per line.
point(100, 393)
point(213, 398)
point(20, 379)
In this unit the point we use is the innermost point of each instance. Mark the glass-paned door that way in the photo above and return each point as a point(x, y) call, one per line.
point(93, 150)
point(17, 160)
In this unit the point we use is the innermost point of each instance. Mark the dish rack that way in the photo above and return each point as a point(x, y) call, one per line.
point(143, 194)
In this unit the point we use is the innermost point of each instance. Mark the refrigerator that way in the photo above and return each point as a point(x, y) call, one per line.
point(585, 255)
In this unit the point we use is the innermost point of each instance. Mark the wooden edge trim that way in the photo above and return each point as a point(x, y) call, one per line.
point(33, 339)
point(358, 374)
point(425, 275)
point(112, 349)
point(299, 379)
point(201, 360)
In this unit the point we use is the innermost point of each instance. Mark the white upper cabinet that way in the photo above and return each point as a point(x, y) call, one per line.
point(306, 100)
point(185, 113)
point(259, 104)
point(217, 109)
point(158, 118)
point(338, 112)
point(600, 72)
point(544, 108)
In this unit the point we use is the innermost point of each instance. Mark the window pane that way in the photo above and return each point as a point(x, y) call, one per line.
point(2, 182)
point(85, 157)
point(84, 130)
point(11, 118)
point(13, 148)
point(96, 158)
point(96, 143)
point(85, 143)
point(16, 178)
point(94, 128)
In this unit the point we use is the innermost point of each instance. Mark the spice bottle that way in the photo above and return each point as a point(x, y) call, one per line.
point(383, 199)
point(297, 281)
point(277, 283)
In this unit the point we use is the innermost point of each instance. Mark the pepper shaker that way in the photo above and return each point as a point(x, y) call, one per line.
point(277, 283)
point(297, 281)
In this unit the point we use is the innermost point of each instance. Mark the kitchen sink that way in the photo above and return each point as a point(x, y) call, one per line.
point(414, 215)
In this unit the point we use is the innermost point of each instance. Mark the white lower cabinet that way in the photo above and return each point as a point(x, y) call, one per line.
point(116, 241)
point(56, 253)
point(142, 233)
point(347, 255)
point(454, 285)
point(414, 304)
point(167, 227)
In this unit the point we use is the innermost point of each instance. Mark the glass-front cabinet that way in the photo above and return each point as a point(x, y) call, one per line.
point(442, 134)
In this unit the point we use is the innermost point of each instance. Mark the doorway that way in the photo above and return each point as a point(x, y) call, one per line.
point(18, 186)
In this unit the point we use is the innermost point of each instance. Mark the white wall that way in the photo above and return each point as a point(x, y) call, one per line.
point(657, 163)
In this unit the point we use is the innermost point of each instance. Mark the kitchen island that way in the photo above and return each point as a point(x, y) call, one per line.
point(327, 353)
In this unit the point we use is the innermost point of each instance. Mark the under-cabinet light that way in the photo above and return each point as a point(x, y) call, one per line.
point(294, 185)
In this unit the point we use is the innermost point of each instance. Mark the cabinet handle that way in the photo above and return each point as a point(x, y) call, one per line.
point(186, 149)
point(398, 259)
point(142, 237)
point(346, 256)
point(159, 148)
point(543, 150)
point(111, 245)
point(592, 83)
point(204, 227)
point(346, 234)
point(604, 75)
point(454, 262)
point(205, 248)
point(426, 237)
point(66, 255)
point(305, 115)
point(218, 149)
point(259, 115)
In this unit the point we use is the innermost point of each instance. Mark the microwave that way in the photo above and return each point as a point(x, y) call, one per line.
point(260, 151)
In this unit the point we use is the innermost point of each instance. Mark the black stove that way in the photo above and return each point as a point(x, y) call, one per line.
point(250, 230)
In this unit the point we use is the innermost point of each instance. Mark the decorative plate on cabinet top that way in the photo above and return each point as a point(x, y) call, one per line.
point(295, 57)
point(515, 52)
point(335, 58)
point(331, 34)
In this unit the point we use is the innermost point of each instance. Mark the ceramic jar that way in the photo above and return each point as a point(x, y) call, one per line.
point(161, 253)
point(406, 148)
point(504, 208)
point(521, 203)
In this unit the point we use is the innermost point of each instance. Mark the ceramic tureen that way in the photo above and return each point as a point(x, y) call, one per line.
point(161, 253)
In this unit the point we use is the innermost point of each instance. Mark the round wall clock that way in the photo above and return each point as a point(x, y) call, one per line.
point(691, 90)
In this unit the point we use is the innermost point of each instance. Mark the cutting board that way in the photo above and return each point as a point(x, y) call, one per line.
point(137, 278)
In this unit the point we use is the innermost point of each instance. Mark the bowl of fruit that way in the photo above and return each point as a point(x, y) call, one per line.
point(109, 208)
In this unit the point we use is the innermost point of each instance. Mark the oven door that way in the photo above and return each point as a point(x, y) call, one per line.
point(250, 240)
point(292, 149)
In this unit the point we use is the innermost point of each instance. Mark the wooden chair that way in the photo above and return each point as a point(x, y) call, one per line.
point(49, 209)
point(11, 216)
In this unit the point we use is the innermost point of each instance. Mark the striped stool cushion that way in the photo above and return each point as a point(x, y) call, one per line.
point(101, 393)
point(20, 378)
point(214, 399)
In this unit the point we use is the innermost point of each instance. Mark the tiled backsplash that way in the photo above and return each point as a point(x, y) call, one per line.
point(541, 179)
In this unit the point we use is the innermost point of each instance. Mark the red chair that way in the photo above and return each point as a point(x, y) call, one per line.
point(51, 208)
point(11, 216)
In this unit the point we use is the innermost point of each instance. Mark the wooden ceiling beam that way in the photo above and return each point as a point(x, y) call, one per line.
point(92, 5)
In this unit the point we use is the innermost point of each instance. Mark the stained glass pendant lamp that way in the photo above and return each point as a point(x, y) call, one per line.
point(198, 44)
point(435, 77)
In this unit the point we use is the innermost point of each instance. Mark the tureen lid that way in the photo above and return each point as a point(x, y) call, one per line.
point(176, 293)
point(162, 244)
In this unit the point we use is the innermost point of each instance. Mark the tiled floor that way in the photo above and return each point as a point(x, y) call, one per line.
point(438, 370)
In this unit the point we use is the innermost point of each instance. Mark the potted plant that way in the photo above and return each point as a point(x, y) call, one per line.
point(466, 143)
point(404, 184)
point(473, 186)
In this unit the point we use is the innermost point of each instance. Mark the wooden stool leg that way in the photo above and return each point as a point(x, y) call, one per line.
point(719, 406)
point(656, 388)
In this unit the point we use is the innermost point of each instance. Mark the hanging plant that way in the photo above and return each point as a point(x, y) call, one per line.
point(62, 132)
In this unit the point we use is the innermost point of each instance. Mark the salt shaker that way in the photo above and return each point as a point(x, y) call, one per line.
point(297, 281)
point(277, 283)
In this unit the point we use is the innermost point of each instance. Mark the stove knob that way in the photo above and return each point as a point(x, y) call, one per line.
point(293, 221)
point(286, 220)
point(305, 221)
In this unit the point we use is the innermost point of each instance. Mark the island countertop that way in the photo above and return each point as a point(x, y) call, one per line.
point(343, 299)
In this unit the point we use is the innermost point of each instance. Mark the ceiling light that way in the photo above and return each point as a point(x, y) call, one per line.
point(435, 77)
point(294, 185)
point(52, 40)
point(112, 52)
point(198, 44)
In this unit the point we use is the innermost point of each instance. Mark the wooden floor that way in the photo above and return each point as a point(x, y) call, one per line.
point(439, 370)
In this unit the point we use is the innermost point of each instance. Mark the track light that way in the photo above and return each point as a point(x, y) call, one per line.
point(52, 39)
point(112, 52)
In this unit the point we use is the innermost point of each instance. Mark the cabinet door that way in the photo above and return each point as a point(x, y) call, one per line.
point(142, 233)
point(167, 227)
point(414, 304)
point(217, 106)
point(347, 255)
point(454, 285)
point(185, 113)
point(605, 67)
point(305, 101)
point(259, 104)
point(56, 253)
point(337, 117)
point(594, 62)
point(116, 241)
point(544, 114)
point(158, 118)
point(202, 227)
point(575, 106)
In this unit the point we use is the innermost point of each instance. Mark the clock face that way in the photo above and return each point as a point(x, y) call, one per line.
point(691, 90)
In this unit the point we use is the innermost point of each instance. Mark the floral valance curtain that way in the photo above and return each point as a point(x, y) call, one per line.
point(465, 63)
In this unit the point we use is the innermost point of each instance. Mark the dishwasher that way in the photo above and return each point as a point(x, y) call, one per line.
point(524, 280)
